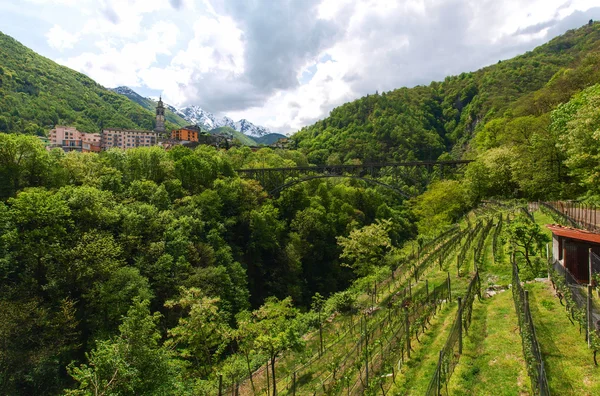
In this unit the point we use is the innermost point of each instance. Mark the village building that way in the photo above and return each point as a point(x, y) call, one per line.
point(189, 133)
point(160, 117)
point(70, 139)
point(127, 138)
point(570, 248)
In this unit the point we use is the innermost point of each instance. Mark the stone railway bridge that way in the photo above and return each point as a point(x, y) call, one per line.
point(402, 177)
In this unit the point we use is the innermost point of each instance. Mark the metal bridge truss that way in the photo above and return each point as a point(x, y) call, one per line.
point(405, 178)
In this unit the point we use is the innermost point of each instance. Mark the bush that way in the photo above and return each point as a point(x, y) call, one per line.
point(344, 302)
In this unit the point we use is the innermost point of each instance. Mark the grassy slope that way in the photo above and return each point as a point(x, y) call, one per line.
point(569, 364)
point(568, 361)
point(492, 362)
point(269, 138)
point(417, 372)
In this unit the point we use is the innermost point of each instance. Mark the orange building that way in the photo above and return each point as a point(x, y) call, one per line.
point(188, 133)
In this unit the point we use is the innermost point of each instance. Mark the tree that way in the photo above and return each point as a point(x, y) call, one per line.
point(202, 333)
point(365, 247)
point(23, 163)
point(275, 330)
point(133, 363)
point(527, 239)
point(440, 206)
point(576, 124)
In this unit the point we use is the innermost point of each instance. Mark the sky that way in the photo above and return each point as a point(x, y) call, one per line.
point(283, 64)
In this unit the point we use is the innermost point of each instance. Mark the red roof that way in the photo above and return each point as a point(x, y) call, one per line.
point(574, 233)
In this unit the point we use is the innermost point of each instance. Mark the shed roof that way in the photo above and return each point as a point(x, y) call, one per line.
point(574, 233)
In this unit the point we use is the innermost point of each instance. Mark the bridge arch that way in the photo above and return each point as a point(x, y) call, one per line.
point(307, 178)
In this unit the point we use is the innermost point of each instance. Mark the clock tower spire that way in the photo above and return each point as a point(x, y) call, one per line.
point(160, 116)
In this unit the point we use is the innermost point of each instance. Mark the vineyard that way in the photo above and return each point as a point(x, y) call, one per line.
point(428, 326)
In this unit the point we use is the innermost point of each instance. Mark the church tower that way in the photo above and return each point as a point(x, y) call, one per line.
point(160, 117)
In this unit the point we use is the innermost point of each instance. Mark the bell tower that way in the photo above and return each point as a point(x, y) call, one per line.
point(160, 117)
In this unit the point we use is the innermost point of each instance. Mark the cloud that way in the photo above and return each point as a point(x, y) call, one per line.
point(387, 45)
point(177, 4)
point(287, 63)
point(277, 39)
point(114, 66)
point(61, 39)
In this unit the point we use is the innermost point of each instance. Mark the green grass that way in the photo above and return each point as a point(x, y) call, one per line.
point(416, 373)
point(492, 361)
point(569, 364)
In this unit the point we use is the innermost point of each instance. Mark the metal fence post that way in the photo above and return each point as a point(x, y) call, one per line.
point(590, 325)
point(449, 290)
point(590, 265)
point(526, 307)
point(367, 358)
point(407, 327)
point(460, 340)
point(220, 384)
point(439, 373)
point(548, 258)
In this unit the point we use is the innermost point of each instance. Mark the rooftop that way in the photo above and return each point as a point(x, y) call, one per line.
point(574, 233)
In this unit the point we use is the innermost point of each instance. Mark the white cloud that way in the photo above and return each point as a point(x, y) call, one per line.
point(113, 66)
point(61, 39)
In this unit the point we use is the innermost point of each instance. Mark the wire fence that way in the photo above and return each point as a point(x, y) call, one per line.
point(582, 309)
point(531, 348)
point(450, 354)
point(387, 354)
point(576, 214)
point(497, 232)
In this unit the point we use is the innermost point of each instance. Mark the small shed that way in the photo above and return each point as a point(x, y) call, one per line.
point(570, 246)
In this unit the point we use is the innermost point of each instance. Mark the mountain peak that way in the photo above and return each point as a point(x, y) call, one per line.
point(196, 115)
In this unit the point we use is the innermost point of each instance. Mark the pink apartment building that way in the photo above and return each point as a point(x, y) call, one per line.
point(70, 139)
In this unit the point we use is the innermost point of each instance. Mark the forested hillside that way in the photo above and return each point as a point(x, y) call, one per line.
point(36, 94)
point(425, 122)
point(84, 235)
point(153, 272)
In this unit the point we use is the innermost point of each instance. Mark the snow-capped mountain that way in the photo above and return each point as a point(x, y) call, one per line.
point(248, 128)
point(196, 115)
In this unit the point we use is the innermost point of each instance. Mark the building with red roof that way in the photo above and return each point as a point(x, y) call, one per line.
point(570, 246)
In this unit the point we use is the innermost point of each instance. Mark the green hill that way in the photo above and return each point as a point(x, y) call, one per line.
point(245, 140)
point(37, 93)
point(426, 121)
point(269, 138)
point(150, 104)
